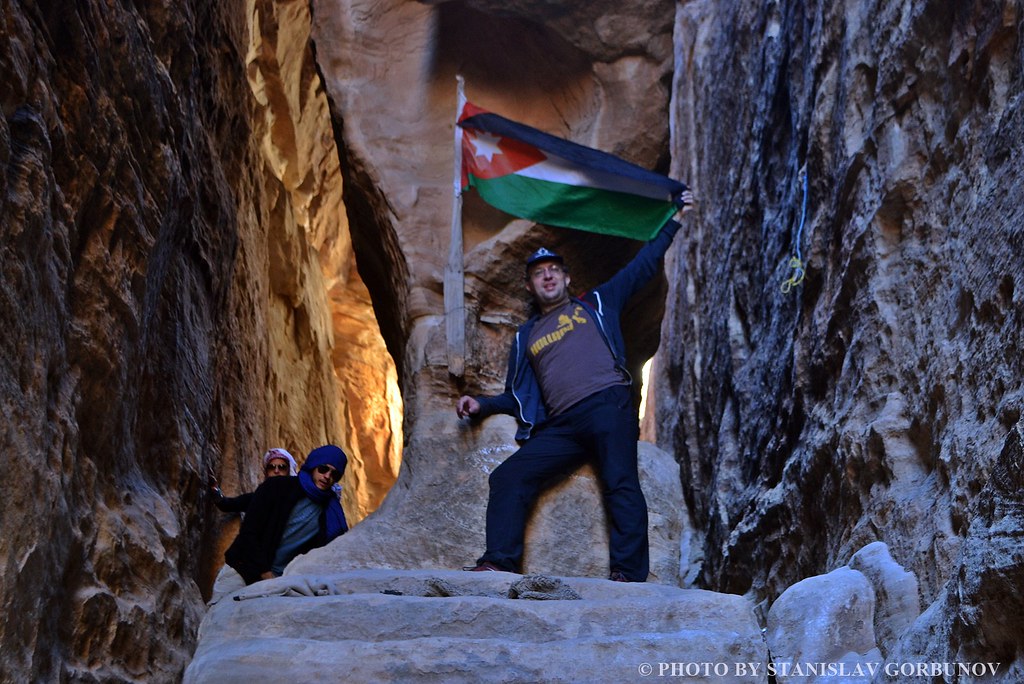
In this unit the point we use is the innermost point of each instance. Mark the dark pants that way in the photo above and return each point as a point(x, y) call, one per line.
point(603, 427)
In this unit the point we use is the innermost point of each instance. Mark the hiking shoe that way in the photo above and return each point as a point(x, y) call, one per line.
point(617, 576)
point(486, 566)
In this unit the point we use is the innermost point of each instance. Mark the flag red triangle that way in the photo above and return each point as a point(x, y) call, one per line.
point(487, 156)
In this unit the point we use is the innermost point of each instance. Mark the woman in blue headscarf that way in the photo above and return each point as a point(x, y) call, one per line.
point(289, 516)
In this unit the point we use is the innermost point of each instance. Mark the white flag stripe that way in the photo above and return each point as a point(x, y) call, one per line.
point(558, 170)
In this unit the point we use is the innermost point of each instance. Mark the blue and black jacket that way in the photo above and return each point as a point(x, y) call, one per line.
point(522, 397)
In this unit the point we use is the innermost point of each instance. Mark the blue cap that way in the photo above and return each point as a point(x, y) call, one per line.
point(543, 254)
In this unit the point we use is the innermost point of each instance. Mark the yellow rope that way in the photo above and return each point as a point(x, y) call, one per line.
point(796, 263)
point(796, 278)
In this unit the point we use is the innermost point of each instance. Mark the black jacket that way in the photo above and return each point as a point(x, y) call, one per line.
point(234, 504)
point(252, 552)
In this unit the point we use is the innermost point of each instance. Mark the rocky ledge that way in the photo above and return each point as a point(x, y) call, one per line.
point(453, 626)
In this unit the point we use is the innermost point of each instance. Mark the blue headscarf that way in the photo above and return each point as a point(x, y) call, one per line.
point(333, 456)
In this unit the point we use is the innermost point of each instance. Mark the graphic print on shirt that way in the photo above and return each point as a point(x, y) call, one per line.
point(566, 324)
point(570, 357)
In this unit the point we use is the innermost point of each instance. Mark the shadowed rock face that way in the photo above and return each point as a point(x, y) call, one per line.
point(125, 321)
point(872, 401)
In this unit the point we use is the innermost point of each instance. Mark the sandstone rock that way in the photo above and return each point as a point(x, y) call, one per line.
point(360, 634)
point(870, 402)
point(320, 315)
point(897, 603)
point(977, 619)
point(131, 299)
point(824, 619)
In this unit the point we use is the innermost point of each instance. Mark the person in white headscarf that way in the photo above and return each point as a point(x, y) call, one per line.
point(276, 463)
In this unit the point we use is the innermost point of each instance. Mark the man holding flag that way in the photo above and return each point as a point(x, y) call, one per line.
point(567, 384)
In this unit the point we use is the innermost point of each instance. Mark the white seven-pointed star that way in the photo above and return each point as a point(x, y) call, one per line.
point(485, 145)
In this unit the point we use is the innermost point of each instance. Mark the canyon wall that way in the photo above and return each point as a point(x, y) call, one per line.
point(126, 299)
point(179, 294)
point(880, 398)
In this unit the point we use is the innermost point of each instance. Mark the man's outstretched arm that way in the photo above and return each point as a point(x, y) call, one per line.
point(647, 261)
point(639, 271)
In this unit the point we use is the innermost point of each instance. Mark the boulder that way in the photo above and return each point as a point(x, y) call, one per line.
point(824, 620)
point(897, 603)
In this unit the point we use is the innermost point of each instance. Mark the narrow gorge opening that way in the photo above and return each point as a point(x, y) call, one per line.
point(323, 332)
point(370, 408)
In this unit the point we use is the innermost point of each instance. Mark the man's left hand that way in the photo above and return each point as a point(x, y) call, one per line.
point(467, 406)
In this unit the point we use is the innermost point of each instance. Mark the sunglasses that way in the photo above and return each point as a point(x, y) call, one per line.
point(324, 469)
point(283, 467)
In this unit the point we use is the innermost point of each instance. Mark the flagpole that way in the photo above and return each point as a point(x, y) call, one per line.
point(454, 276)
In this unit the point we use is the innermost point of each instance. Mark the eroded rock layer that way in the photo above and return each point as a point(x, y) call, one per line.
point(471, 627)
point(871, 401)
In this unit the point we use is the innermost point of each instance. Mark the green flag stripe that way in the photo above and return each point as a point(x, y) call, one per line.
point(569, 206)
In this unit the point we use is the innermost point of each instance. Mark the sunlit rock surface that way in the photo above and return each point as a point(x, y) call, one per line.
point(172, 239)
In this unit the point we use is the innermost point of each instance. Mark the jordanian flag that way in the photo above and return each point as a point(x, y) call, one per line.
point(537, 176)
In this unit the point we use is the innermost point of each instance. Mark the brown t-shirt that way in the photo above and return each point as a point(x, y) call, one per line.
point(570, 358)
